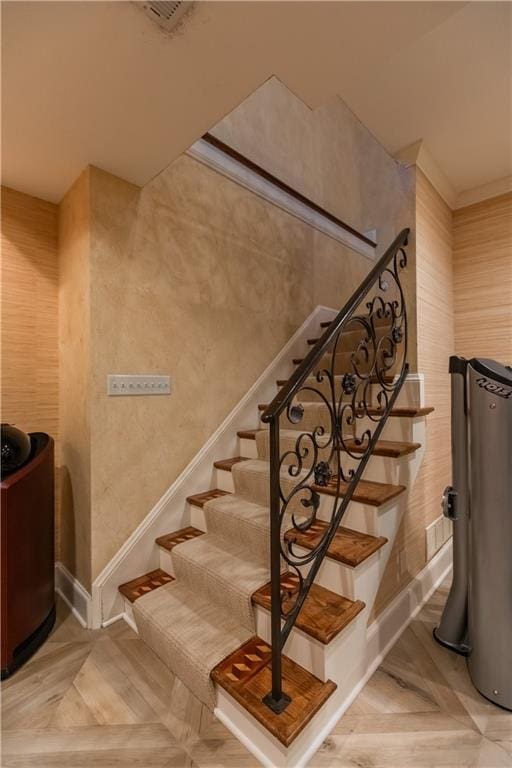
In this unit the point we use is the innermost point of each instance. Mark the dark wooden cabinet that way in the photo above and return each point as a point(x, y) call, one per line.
point(27, 568)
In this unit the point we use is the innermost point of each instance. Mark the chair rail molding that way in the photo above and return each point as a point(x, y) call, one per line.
point(221, 158)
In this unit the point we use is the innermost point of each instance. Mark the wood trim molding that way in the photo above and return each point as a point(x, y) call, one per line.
point(225, 160)
point(74, 594)
point(417, 154)
point(484, 192)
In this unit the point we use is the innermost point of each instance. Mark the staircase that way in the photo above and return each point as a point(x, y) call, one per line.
point(276, 669)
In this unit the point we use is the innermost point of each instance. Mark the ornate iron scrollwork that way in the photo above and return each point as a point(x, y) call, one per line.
point(354, 373)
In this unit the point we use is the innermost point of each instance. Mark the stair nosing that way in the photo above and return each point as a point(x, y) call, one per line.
point(358, 497)
point(291, 535)
point(276, 724)
point(322, 637)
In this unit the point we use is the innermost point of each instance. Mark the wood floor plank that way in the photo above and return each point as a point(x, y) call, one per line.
point(420, 709)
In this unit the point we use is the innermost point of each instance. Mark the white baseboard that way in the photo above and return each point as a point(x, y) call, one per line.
point(74, 594)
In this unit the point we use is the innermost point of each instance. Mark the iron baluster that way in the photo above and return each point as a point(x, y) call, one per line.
point(298, 475)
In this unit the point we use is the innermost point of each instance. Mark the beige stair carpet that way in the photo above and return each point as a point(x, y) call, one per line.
point(190, 633)
point(224, 572)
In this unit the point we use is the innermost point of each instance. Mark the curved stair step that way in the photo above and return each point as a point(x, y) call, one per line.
point(247, 520)
point(366, 492)
point(204, 646)
point(324, 613)
point(246, 676)
point(348, 546)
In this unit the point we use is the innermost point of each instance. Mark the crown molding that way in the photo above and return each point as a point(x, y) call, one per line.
point(417, 154)
point(484, 192)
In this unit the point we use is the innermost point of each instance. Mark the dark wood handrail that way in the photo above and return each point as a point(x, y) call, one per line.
point(233, 153)
point(287, 392)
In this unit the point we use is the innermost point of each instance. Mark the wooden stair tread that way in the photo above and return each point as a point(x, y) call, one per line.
point(246, 676)
point(393, 449)
point(401, 412)
point(366, 491)
point(247, 434)
point(348, 546)
point(227, 464)
point(383, 323)
point(200, 499)
point(143, 584)
point(406, 412)
point(324, 613)
point(373, 379)
point(170, 540)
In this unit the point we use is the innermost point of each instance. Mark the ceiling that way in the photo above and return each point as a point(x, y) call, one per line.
point(98, 82)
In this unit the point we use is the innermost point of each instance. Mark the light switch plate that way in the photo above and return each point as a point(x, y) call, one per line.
point(121, 384)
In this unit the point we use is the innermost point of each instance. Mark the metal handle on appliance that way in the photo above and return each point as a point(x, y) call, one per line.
point(449, 503)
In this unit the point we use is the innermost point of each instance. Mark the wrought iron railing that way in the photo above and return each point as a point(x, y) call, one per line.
point(335, 452)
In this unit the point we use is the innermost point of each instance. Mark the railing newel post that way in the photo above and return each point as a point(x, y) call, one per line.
point(381, 357)
point(276, 699)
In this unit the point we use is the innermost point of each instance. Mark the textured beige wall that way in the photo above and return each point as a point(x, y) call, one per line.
point(483, 279)
point(434, 276)
point(329, 156)
point(74, 379)
point(197, 277)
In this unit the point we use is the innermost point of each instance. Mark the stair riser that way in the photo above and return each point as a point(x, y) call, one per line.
point(224, 480)
point(255, 487)
point(401, 429)
point(128, 615)
point(247, 448)
point(379, 468)
point(365, 518)
point(359, 517)
point(166, 563)
point(344, 362)
point(359, 583)
point(310, 653)
point(288, 443)
point(384, 465)
point(411, 395)
point(196, 517)
point(200, 580)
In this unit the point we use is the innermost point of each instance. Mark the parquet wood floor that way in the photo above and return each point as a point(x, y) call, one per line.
point(103, 699)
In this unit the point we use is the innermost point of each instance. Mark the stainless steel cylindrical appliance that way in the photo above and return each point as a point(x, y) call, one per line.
point(477, 619)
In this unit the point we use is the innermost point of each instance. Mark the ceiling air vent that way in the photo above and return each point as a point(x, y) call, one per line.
point(165, 13)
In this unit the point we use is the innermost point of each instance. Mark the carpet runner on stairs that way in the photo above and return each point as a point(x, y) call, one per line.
point(201, 617)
